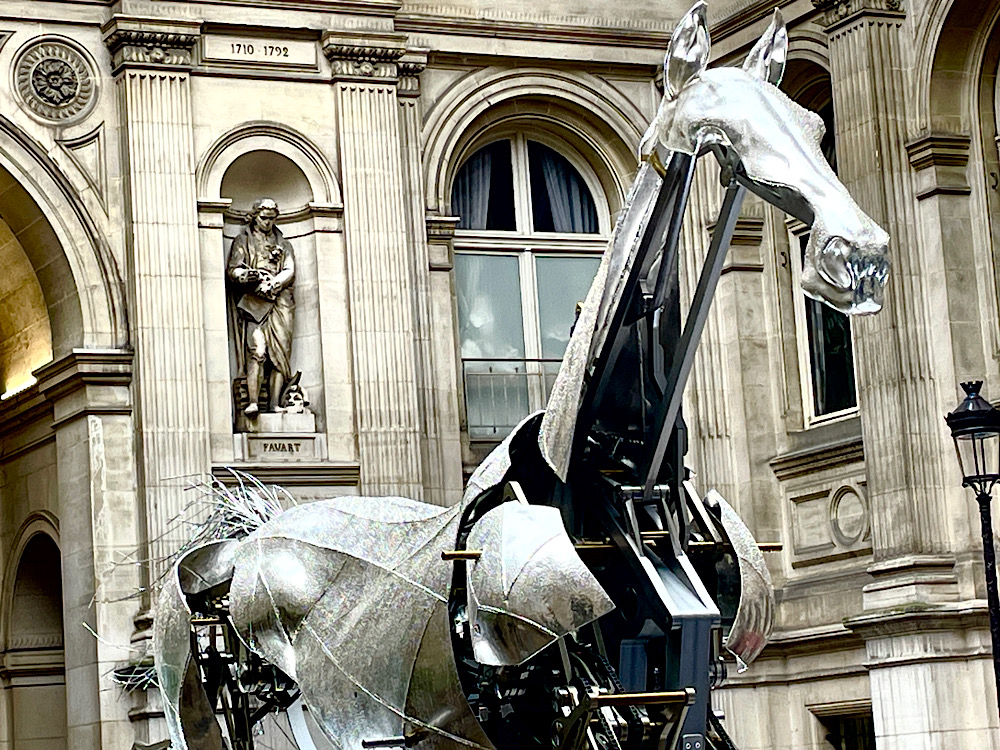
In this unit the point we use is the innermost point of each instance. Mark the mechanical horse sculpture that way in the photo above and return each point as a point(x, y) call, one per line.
point(572, 598)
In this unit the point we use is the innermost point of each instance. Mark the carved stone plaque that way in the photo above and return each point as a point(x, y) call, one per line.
point(281, 447)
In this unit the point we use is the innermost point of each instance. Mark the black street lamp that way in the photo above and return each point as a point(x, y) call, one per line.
point(975, 427)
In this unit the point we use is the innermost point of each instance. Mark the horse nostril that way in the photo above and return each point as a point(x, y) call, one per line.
point(835, 263)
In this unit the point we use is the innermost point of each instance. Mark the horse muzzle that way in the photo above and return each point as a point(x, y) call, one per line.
point(849, 277)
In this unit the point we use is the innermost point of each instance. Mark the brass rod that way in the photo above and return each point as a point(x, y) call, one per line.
point(667, 697)
point(461, 554)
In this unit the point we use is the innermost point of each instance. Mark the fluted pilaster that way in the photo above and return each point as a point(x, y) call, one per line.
point(441, 474)
point(151, 59)
point(709, 417)
point(894, 350)
point(381, 272)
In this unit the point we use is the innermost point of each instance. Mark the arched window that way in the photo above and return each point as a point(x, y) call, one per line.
point(528, 244)
point(826, 354)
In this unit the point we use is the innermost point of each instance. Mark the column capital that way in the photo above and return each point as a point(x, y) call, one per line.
point(411, 65)
point(150, 42)
point(837, 13)
point(373, 55)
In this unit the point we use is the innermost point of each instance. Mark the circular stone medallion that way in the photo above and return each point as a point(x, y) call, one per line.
point(849, 516)
point(53, 80)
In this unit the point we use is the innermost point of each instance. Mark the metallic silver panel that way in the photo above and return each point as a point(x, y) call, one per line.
point(755, 614)
point(529, 587)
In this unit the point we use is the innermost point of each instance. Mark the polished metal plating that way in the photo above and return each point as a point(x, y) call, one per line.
point(754, 620)
point(766, 142)
point(349, 598)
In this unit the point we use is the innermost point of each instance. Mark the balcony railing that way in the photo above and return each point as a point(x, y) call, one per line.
point(499, 393)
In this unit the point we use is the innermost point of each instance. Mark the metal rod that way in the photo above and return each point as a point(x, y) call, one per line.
point(993, 599)
point(667, 697)
point(693, 326)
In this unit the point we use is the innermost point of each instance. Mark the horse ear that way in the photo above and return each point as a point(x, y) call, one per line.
point(766, 60)
point(687, 54)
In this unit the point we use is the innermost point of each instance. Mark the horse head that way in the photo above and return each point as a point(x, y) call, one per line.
point(772, 145)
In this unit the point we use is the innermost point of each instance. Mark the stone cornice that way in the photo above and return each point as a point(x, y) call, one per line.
point(939, 150)
point(297, 474)
point(150, 42)
point(810, 460)
point(837, 13)
point(364, 56)
point(920, 618)
point(64, 377)
point(524, 30)
point(82, 368)
point(940, 160)
point(742, 14)
point(441, 227)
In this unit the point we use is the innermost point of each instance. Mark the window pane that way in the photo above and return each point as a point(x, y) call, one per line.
point(560, 200)
point(562, 283)
point(491, 334)
point(482, 195)
point(831, 356)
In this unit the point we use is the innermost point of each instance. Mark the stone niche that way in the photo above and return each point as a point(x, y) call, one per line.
point(272, 318)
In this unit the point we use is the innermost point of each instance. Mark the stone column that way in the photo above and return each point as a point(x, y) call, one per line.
point(380, 269)
point(440, 454)
point(895, 351)
point(445, 350)
point(151, 61)
point(99, 537)
point(927, 655)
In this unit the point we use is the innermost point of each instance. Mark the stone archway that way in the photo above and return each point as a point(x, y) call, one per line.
point(33, 658)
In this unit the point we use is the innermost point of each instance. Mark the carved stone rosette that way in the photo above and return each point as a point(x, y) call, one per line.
point(377, 56)
point(135, 43)
point(54, 81)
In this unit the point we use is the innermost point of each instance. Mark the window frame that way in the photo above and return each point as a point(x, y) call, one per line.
point(527, 245)
point(796, 231)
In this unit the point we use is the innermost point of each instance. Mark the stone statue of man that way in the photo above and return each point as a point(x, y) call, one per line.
point(262, 269)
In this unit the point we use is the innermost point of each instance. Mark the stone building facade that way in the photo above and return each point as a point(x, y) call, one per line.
point(135, 136)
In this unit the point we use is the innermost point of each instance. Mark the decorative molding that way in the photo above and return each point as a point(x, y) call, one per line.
point(856, 707)
point(83, 367)
point(440, 235)
point(54, 81)
point(411, 65)
point(297, 474)
point(940, 160)
point(920, 619)
point(810, 460)
point(528, 30)
point(374, 55)
point(741, 15)
point(939, 150)
point(837, 13)
point(142, 42)
point(87, 153)
point(441, 228)
point(810, 641)
point(5, 37)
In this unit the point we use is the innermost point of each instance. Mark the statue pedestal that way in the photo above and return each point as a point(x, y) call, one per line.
point(281, 422)
point(279, 437)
